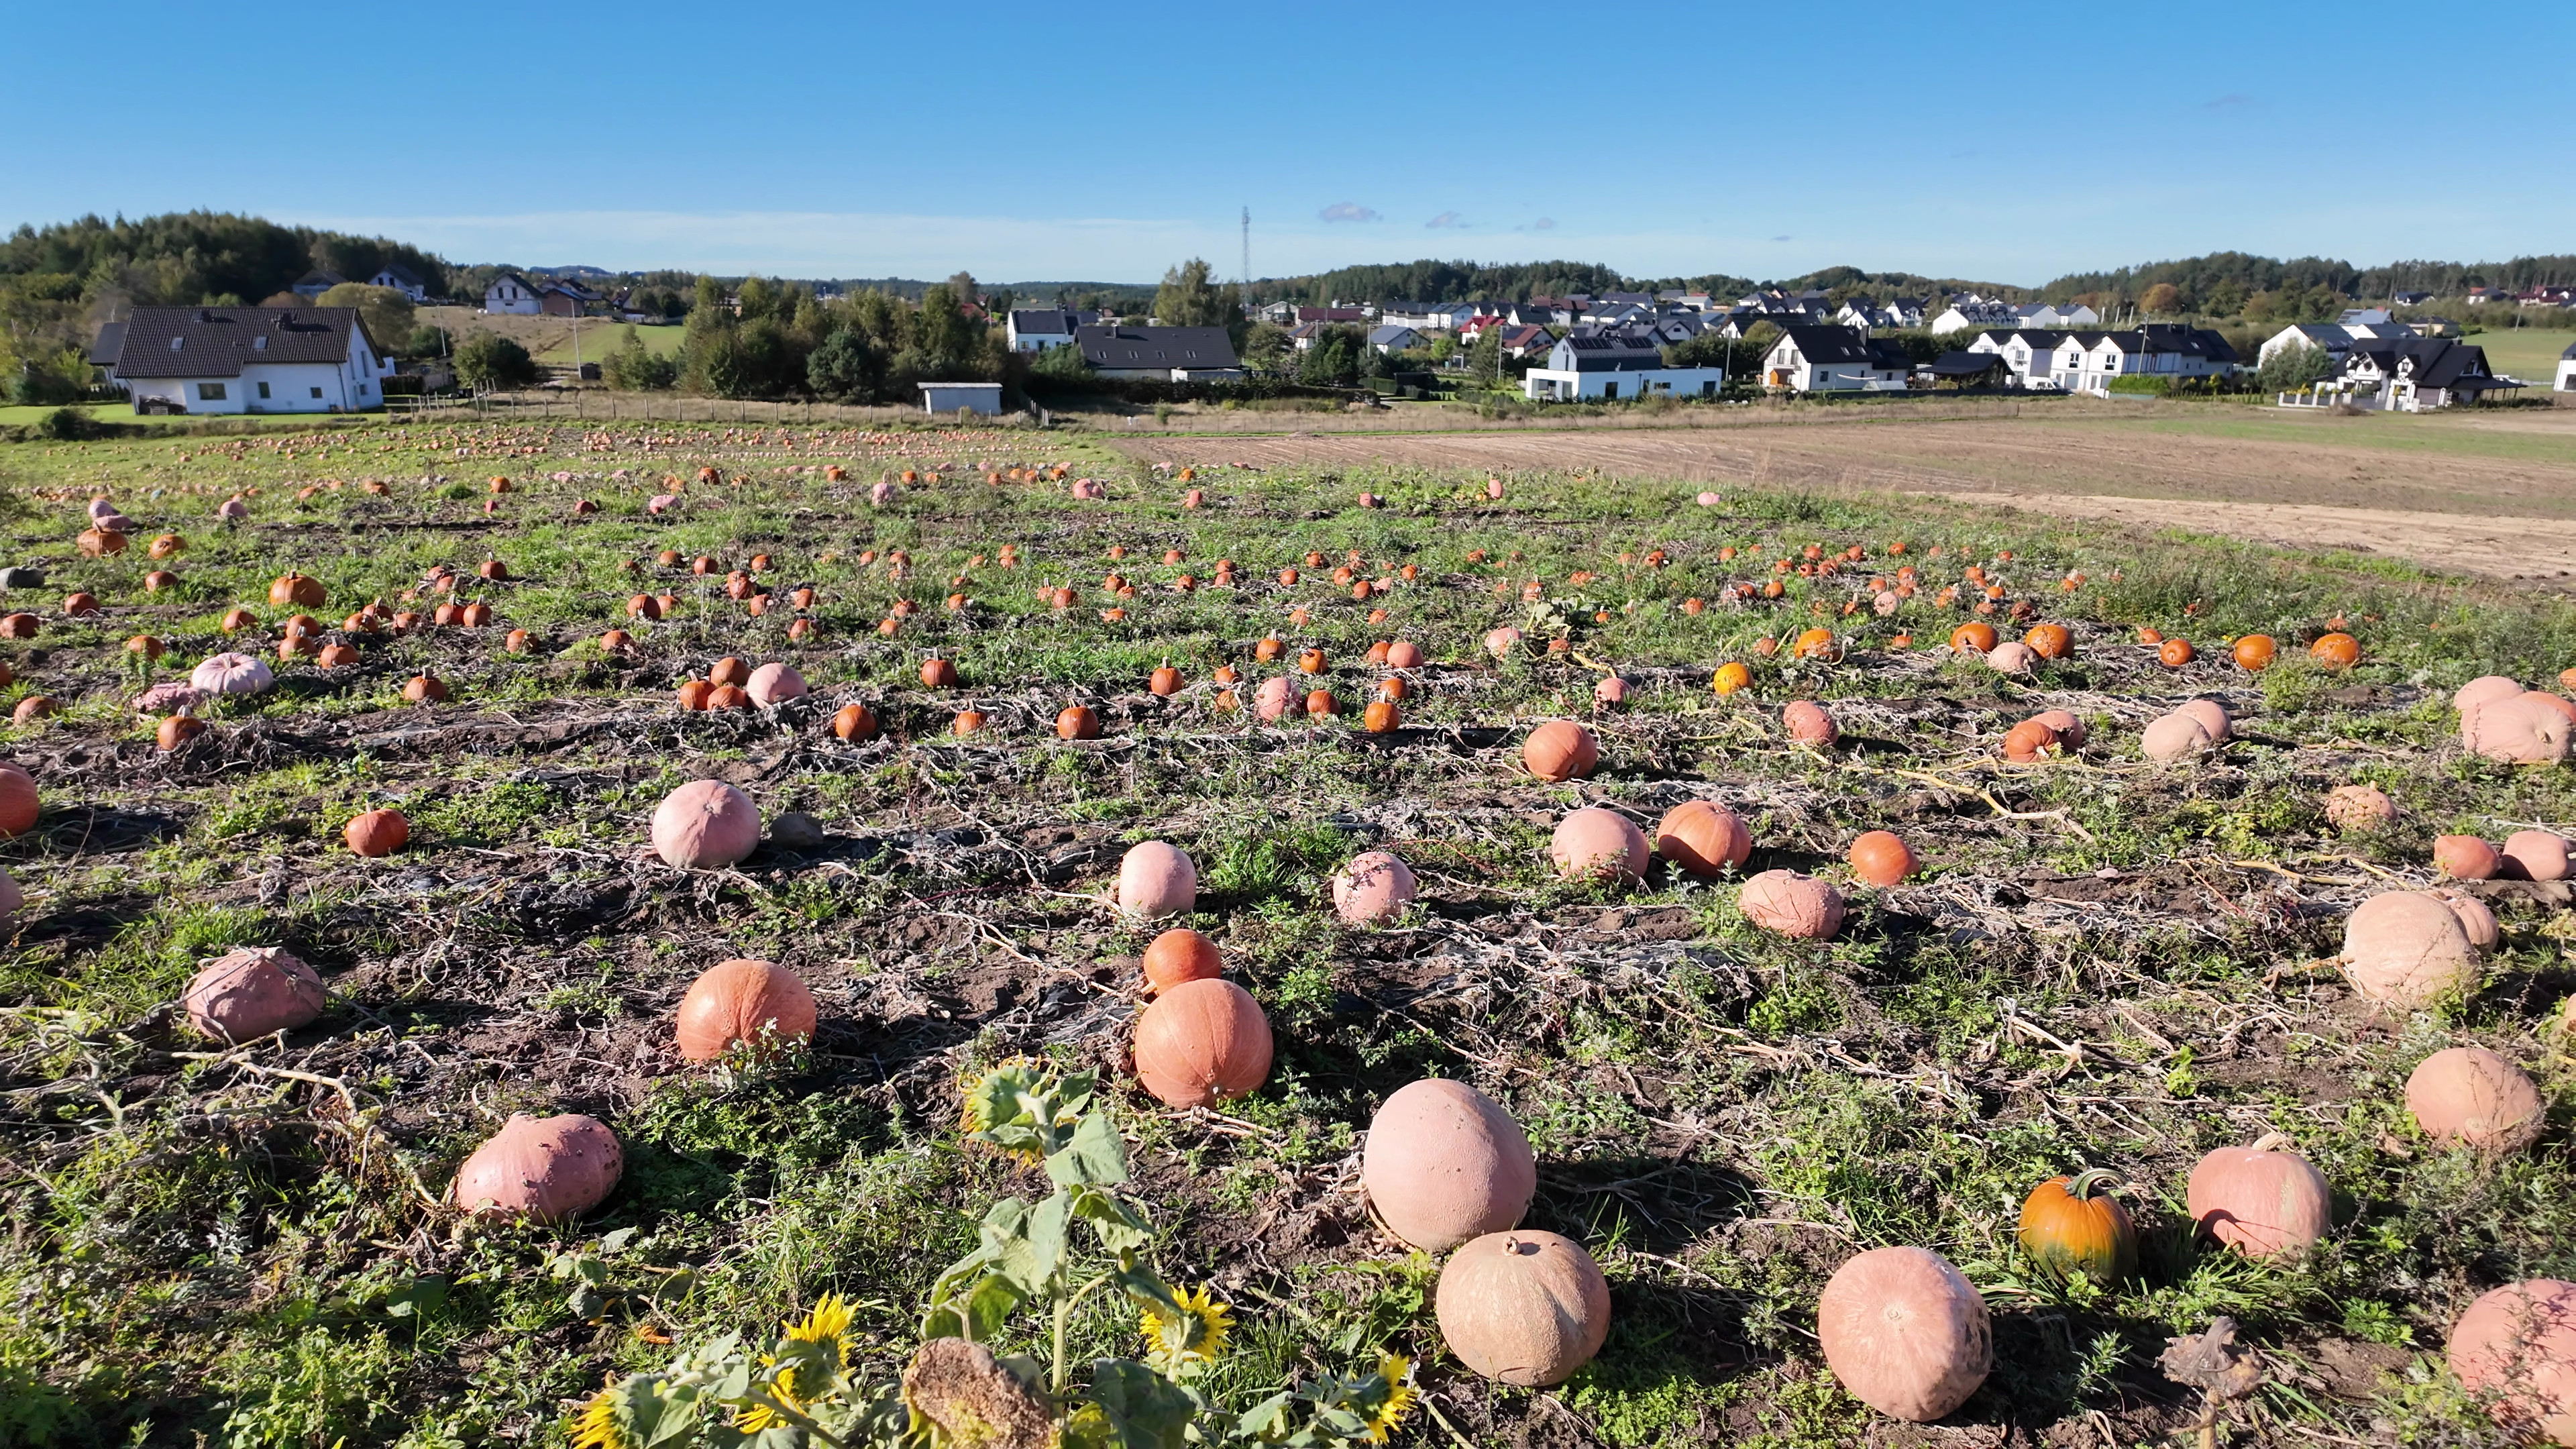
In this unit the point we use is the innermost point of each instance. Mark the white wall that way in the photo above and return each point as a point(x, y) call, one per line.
point(1544, 384)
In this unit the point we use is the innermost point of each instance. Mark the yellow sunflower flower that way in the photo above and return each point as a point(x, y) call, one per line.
point(828, 1322)
point(596, 1427)
point(1194, 1335)
point(1397, 1370)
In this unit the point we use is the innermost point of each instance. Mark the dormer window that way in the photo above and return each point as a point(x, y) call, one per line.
point(259, 344)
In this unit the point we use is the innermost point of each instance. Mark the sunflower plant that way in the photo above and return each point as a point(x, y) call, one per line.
point(1032, 1261)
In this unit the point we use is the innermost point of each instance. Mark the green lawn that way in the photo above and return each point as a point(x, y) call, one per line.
point(600, 339)
point(2529, 353)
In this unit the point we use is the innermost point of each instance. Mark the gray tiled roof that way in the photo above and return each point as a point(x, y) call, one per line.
point(217, 341)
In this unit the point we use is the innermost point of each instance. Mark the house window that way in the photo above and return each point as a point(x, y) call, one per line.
point(1609, 389)
point(263, 389)
point(317, 392)
point(210, 392)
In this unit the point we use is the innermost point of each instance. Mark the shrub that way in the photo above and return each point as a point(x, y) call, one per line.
point(488, 359)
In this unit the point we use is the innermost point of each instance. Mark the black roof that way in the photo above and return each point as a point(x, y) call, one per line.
point(1611, 351)
point(1842, 344)
point(400, 273)
point(1966, 364)
point(217, 341)
point(2439, 361)
point(1155, 347)
point(111, 340)
point(2570, 354)
point(1041, 321)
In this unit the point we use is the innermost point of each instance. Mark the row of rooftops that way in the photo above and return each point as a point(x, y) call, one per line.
point(220, 341)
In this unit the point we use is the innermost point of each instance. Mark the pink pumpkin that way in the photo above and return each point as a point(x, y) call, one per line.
point(705, 825)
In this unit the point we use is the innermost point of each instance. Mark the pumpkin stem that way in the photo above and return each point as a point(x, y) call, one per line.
point(2086, 1184)
point(2272, 1142)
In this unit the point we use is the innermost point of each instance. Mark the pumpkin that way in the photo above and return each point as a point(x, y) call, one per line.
point(2535, 855)
point(2261, 1200)
point(2068, 1228)
point(237, 619)
point(2408, 949)
point(1523, 1307)
point(1730, 677)
point(2030, 741)
point(2012, 657)
point(1445, 1163)
point(1973, 637)
point(168, 545)
point(331, 656)
point(2212, 715)
point(2175, 653)
point(2516, 731)
point(232, 674)
point(1179, 955)
point(1593, 842)
point(1501, 642)
point(1077, 722)
point(774, 683)
point(2485, 689)
point(424, 689)
point(2254, 652)
point(759, 1004)
point(18, 802)
point(35, 707)
point(705, 825)
point(297, 591)
point(644, 606)
point(728, 670)
point(2516, 1346)
point(2070, 731)
point(1310, 661)
point(1273, 698)
point(1403, 654)
point(1904, 1333)
point(2050, 641)
point(1703, 838)
point(375, 833)
point(2175, 736)
point(938, 674)
point(1164, 681)
point(967, 722)
point(694, 694)
point(2471, 1096)
point(546, 1168)
point(176, 730)
point(1791, 904)
point(20, 625)
point(1381, 717)
point(250, 992)
point(854, 722)
point(1157, 879)
point(1202, 1042)
point(1560, 750)
point(728, 696)
point(159, 579)
point(2360, 807)
point(1879, 858)
point(78, 605)
point(2336, 651)
point(97, 542)
point(1375, 886)
point(2475, 919)
point(1808, 723)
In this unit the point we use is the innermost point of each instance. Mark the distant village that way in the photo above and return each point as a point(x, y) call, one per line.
point(1607, 348)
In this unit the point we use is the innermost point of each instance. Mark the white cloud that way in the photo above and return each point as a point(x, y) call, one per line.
point(1445, 219)
point(1544, 223)
point(1347, 211)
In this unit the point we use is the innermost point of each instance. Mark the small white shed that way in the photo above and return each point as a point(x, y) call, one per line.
point(948, 397)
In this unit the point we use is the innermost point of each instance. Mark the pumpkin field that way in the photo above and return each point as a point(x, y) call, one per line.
point(674, 935)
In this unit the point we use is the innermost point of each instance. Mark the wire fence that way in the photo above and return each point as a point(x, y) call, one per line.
point(608, 406)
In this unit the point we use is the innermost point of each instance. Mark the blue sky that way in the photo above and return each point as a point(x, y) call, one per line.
point(2003, 142)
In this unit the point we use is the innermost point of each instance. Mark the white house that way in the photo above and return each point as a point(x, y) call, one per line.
point(1427, 316)
point(2326, 337)
point(314, 283)
point(1609, 367)
point(2417, 374)
point(2062, 317)
point(2021, 348)
point(1392, 337)
point(513, 295)
point(2566, 371)
point(402, 279)
point(1833, 359)
point(251, 360)
point(1037, 329)
point(1962, 316)
point(951, 397)
point(2164, 351)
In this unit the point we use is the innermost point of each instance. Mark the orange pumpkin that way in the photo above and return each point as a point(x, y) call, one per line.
point(1973, 637)
point(854, 722)
point(1165, 680)
point(1730, 677)
point(2336, 651)
point(1381, 717)
point(1077, 722)
point(2175, 653)
point(2255, 652)
point(938, 674)
point(1310, 661)
point(2068, 1227)
point(2050, 641)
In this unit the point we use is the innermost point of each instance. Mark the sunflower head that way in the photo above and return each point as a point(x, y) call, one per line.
point(1387, 1415)
point(828, 1322)
point(597, 1427)
point(1193, 1335)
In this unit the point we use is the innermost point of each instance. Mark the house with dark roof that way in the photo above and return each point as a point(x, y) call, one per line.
point(2413, 375)
point(250, 360)
point(2020, 348)
point(1392, 337)
point(401, 279)
point(2566, 371)
point(1160, 354)
point(314, 283)
point(1610, 365)
point(2162, 350)
point(510, 294)
point(1036, 329)
point(1833, 359)
point(1971, 313)
point(1521, 341)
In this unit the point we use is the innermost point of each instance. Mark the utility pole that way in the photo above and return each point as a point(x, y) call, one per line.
point(1247, 251)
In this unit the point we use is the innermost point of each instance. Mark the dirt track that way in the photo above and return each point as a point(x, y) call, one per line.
point(2419, 494)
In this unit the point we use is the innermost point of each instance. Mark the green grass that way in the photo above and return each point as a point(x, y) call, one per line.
point(1722, 1116)
point(2529, 353)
